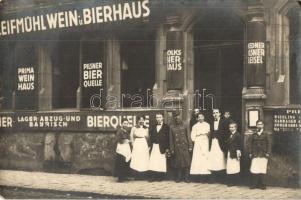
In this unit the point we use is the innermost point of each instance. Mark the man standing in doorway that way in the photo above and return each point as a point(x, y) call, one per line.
point(217, 146)
point(159, 143)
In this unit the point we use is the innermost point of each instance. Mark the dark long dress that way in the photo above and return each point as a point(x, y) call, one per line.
point(121, 165)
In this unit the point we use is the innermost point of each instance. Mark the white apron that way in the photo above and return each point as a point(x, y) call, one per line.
point(259, 165)
point(200, 162)
point(233, 165)
point(217, 159)
point(140, 155)
point(125, 150)
point(157, 161)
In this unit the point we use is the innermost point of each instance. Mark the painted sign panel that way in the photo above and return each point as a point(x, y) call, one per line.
point(287, 120)
point(72, 121)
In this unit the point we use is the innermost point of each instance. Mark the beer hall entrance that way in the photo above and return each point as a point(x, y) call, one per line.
point(219, 61)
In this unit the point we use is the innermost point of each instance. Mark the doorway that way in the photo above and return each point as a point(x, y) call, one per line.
point(219, 62)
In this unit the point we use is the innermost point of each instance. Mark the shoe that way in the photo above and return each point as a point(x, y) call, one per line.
point(151, 180)
point(253, 187)
point(179, 177)
point(160, 179)
point(178, 180)
point(263, 187)
point(187, 181)
point(120, 180)
point(231, 185)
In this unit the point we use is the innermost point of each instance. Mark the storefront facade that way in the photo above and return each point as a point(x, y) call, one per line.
point(72, 71)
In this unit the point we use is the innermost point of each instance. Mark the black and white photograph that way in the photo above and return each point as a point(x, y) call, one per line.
point(150, 99)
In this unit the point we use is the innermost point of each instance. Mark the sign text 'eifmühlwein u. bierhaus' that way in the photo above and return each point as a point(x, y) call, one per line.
point(68, 17)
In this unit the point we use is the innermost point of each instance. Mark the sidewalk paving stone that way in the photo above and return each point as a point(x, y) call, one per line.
point(165, 189)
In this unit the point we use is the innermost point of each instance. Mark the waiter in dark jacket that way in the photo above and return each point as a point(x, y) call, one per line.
point(260, 151)
point(159, 143)
point(194, 117)
point(234, 147)
point(217, 146)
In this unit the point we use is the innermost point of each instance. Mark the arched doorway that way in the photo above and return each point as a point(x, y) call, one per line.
point(219, 61)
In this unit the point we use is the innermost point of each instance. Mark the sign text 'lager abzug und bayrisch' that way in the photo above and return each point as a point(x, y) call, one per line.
point(73, 121)
point(97, 14)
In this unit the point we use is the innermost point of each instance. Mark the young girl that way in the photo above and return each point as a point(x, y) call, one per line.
point(234, 150)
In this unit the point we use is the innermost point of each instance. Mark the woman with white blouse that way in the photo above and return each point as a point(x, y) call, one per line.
point(199, 135)
point(140, 152)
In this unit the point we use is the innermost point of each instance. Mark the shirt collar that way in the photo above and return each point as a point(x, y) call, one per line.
point(216, 120)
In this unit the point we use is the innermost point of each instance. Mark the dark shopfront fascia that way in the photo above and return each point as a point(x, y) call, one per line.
point(51, 86)
point(82, 147)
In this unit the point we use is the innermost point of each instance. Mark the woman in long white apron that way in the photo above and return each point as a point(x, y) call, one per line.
point(140, 152)
point(199, 135)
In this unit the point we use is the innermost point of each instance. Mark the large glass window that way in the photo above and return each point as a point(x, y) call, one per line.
point(65, 62)
point(138, 68)
point(7, 72)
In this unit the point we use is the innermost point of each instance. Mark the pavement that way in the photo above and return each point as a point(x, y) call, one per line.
point(107, 185)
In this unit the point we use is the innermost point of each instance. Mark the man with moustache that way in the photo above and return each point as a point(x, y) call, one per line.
point(159, 144)
point(180, 147)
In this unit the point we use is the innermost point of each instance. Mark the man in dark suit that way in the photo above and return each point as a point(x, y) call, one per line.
point(217, 145)
point(159, 143)
point(194, 117)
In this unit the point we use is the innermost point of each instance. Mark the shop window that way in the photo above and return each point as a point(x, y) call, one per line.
point(65, 78)
point(295, 55)
point(7, 72)
point(138, 69)
point(93, 74)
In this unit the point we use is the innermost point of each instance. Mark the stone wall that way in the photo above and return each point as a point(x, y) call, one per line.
point(93, 153)
point(58, 152)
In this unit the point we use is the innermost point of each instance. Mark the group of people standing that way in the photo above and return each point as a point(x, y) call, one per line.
point(209, 150)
